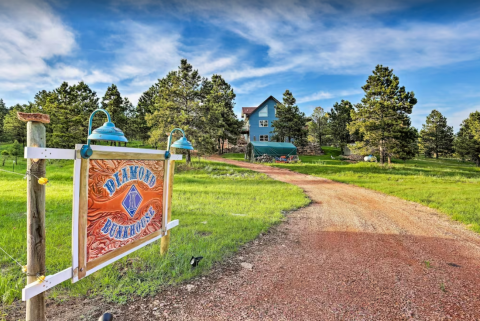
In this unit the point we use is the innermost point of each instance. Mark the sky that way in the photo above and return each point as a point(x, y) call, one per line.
point(322, 51)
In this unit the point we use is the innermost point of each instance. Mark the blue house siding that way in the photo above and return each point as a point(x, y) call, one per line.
point(254, 120)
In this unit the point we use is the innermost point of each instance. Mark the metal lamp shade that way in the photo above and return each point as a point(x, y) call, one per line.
point(183, 143)
point(108, 132)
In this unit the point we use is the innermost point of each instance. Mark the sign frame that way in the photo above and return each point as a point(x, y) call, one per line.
point(82, 268)
point(71, 273)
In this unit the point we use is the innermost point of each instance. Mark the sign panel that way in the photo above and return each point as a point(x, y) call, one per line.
point(125, 203)
point(122, 198)
point(121, 203)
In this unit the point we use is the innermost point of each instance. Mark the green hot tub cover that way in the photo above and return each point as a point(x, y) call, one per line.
point(256, 149)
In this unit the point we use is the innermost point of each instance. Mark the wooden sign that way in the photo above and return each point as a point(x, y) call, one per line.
point(122, 204)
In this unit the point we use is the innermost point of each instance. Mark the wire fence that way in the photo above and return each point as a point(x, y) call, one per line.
point(28, 172)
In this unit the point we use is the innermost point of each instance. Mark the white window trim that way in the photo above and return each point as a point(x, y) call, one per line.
point(260, 139)
point(260, 123)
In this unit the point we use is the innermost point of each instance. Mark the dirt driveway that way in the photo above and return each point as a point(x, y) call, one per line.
point(353, 254)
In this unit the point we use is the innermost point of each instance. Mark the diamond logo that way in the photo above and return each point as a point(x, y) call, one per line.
point(132, 201)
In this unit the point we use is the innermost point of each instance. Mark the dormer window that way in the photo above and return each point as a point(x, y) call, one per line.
point(263, 112)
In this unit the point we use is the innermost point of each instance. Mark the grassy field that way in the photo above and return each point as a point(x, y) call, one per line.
point(448, 185)
point(220, 207)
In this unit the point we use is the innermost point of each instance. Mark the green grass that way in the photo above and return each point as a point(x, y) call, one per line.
point(448, 185)
point(205, 197)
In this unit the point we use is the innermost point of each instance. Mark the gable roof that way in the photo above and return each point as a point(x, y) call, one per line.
point(249, 110)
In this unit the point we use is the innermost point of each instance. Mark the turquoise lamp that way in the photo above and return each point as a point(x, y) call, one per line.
point(107, 131)
point(181, 143)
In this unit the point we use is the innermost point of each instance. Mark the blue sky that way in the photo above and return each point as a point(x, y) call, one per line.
point(322, 51)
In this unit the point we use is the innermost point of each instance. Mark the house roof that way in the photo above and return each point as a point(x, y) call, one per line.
point(249, 110)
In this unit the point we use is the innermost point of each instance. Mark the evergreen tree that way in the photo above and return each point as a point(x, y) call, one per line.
point(467, 142)
point(3, 112)
point(382, 118)
point(13, 128)
point(436, 137)
point(113, 102)
point(178, 105)
point(15, 150)
point(218, 115)
point(339, 119)
point(130, 130)
point(319, 126)
point(69, 108)
point(291, 122)
point(145, 106)
point(406, 146)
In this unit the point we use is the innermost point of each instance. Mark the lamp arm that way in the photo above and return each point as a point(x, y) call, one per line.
point(170, 137)
point(91, 120)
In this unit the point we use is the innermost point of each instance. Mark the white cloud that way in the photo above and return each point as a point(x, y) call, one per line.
point(288, 38)
point(134, 97)
point(322, 95)
point(141, 50)
point(348, 37)
point(250, 86)
point(30, 34)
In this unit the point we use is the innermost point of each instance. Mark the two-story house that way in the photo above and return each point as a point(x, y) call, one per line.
point(258, 120)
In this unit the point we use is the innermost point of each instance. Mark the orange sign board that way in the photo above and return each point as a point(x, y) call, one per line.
point(125, 203)
point(121, 203)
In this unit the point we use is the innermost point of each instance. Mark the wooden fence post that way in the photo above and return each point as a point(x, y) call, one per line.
point(165, 241)
point(35, 212)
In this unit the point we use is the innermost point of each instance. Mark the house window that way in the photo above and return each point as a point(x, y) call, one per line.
point(264, 123)
point(264, 138)
point(263, 112)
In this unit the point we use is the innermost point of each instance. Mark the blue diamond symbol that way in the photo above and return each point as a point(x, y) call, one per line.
point(132, 201)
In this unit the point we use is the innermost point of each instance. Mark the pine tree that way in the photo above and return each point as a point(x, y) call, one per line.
point(3, 112)
point(382, 118)
point(69, 108)
point(339, 119)
point(145, 106)
point(113, 102)
point(319, 126)
point(13, 128)
point(178, 106)
point(467, 141)
point(436, 137)
point(406, 146)
point(16, 150)
point(291, 123)
point(217, 112)
point(130, 130)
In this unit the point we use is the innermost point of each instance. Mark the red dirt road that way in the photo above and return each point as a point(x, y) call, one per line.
point(353, 254)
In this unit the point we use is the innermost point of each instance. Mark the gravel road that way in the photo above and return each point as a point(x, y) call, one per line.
point(353, 254)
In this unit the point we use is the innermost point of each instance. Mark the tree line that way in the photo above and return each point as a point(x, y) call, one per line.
point(380, 124)
point(202, 107)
